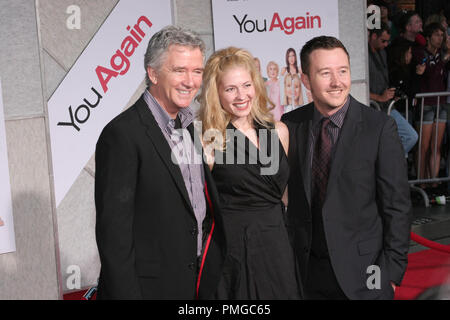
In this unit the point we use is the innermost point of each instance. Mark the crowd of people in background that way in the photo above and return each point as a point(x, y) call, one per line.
point(409, 55)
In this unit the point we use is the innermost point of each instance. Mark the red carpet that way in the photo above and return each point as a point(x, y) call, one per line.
point(427, 268)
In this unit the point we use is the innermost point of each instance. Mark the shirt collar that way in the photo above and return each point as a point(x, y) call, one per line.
point(337, 118)
point(163, 118)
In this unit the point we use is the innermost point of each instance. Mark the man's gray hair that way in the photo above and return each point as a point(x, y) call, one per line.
point(163, 39)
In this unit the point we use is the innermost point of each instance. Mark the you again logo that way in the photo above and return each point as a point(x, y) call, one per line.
point(286, 24)
point(119, 66)
point(267, 153)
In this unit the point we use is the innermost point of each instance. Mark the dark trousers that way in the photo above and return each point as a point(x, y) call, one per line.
point(321, 282)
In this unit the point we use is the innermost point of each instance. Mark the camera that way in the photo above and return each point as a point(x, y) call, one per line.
point(399, 92)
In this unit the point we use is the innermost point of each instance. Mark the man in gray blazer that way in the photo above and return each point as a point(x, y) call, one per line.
point(349, 204)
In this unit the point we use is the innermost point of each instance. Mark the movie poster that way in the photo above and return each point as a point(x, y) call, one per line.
point(274, 32)
point(99, 85)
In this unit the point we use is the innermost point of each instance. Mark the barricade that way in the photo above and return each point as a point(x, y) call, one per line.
point(432, 179)
point(411, 182)
point(418, 180)
point(377, 106)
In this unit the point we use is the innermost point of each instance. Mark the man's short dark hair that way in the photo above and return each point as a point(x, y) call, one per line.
point(322, 42)
point(405, 19)
point(379, 31)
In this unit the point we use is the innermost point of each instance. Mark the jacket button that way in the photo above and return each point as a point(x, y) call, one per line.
point(191, 266)
point(194, 231)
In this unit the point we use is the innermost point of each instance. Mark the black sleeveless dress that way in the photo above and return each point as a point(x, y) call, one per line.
point(260, 261)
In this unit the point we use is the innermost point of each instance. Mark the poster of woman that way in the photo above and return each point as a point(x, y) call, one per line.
point(293, 97)
point(274, 32)
point(274, 86)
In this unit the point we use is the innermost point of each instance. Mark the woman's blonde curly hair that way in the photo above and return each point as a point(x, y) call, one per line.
point(211, 113)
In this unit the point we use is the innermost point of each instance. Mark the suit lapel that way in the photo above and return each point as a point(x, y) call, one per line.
point(196, 137)
point(163, 149)
point(209, 186)
point(303, 156)
point(299, 148)
point(346, 142)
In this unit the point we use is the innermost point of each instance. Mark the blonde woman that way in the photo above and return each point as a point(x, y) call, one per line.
point(236, 119)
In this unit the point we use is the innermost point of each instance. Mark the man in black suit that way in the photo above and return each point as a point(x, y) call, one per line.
point(159, 232)
point(349, 204)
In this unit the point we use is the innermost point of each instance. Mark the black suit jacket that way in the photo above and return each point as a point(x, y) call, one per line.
point(366, 213)
point(146, 228)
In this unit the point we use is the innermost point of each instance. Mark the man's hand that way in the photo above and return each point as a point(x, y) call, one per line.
point(387, 95)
